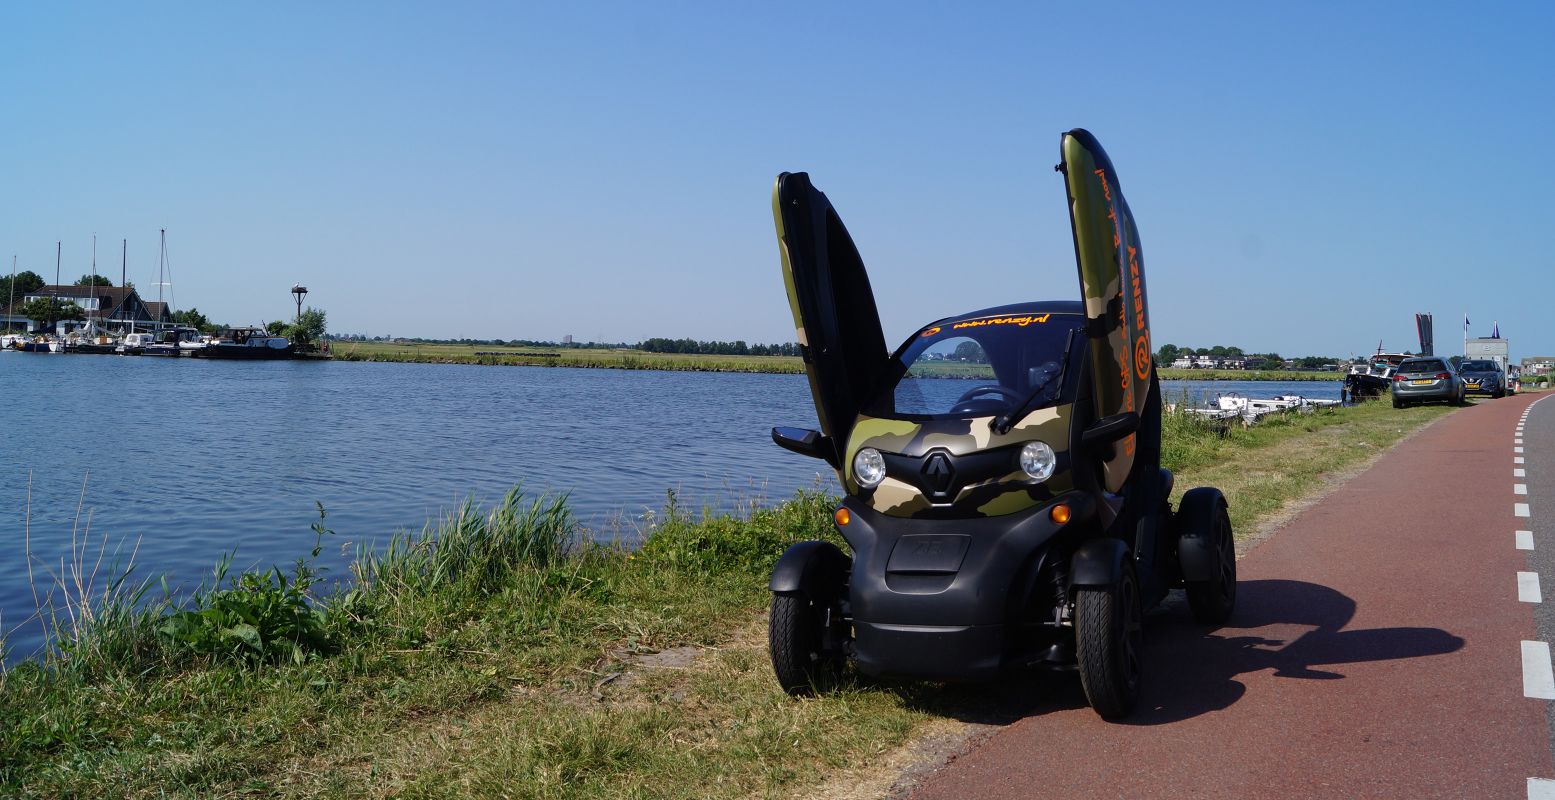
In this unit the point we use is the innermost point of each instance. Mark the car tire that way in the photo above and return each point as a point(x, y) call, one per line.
point(1109, 644)
point(794, 643)
point(1397, 403)
point(1212, 601)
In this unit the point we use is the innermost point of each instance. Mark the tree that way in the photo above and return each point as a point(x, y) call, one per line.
point(1166, 355)
point(26, 281)
point(93, 280)
point(46, 311)
point(194, 319)
point(309, 328)
point(275, 327)
point(970, 351)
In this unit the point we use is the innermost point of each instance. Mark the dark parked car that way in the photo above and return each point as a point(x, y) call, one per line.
point(1482, 376)
point(1423, 380)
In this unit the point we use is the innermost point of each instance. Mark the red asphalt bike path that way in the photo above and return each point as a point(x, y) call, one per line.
point(1374, 652)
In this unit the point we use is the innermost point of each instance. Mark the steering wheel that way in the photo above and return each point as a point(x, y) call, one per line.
point(1014, 396)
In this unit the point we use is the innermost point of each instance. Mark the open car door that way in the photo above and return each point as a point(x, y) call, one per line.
point(1112, 281)
point(835, 319)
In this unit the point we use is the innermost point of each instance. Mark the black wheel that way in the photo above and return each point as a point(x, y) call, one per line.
point(1397, 403)
point(1213, 600)
point(1109, 644)
point(1499, 395)
point(794, 641)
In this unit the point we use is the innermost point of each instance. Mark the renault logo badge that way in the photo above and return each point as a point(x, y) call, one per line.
point(938, 474)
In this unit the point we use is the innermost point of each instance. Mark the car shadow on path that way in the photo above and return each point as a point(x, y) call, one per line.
point(1193, 668)
point(1294, 628)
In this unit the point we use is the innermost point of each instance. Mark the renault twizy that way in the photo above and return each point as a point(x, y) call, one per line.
point(1005, 504)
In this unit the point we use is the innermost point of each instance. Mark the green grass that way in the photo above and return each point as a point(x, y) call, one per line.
point(494, 355)
point(497, 654)
point(491, 355)
point(1169, 374)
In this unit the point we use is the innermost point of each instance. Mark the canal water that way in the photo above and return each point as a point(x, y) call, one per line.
point(186, 460)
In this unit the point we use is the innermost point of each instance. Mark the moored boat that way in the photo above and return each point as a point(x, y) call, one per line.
point(1374, 377)
point(246, 343)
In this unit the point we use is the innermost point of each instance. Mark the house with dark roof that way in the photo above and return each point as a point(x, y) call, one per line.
point(112, 307)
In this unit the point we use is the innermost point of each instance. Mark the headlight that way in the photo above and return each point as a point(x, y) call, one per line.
point(868, 468)
point(1038, 460)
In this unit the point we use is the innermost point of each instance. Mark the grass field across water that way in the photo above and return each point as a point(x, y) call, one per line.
point(613, 358)
point(492, 655)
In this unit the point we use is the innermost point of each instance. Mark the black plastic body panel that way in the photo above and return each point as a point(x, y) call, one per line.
point(817, 570)
point(944, 612)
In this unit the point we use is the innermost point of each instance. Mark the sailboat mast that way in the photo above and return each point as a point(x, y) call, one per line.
point(160, 261)
point(94, 279)
point(10, 304)
point(124, 260)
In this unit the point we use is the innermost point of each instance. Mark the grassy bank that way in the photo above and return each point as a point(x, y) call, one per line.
point(493, 355)
point(1169, 374)
point(489, 656)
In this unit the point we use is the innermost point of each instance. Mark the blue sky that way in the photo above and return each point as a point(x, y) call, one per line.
point(1306, 176)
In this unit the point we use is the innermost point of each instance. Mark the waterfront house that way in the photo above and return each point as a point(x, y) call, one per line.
point(112, 307)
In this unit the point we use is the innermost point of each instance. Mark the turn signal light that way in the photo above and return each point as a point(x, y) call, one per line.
point(1059, 514)
point(842, 517)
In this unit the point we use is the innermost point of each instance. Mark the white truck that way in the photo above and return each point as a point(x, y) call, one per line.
point(1496, 350)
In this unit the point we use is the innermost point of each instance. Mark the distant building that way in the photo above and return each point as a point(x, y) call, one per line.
point(567, 339)
point(112, 307)
point(1538, 365)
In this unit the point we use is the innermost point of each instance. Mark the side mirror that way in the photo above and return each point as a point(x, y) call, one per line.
point(1110, 429)
point(804, 442)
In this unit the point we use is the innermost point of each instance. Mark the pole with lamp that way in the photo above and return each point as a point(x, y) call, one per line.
point(298, 292)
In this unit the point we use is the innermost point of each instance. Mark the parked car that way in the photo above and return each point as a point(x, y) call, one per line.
point(1483, 376)
point(1424, 380)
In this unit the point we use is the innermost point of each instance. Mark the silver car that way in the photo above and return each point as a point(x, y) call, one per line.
point(1424, 380)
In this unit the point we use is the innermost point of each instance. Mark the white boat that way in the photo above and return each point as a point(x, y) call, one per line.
point(135, 344)
point(1232, 405)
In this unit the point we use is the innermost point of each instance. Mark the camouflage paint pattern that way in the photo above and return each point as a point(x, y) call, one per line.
point(1004, 494)
point(1113, 286)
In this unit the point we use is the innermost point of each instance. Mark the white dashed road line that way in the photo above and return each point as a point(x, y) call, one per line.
point(1528, 587)
point(1517, 460)
point(1520, 509)
point(1519, 472)
point(1525, 540)
point(1538, 676)
point(1519, 488)
point(1541, 789)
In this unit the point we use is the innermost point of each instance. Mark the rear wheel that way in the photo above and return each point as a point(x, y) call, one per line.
point(1213, 600)
point(1397, 403)
point(794, 631)
point(1109, 644)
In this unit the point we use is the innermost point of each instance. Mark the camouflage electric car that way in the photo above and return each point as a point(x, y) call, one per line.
point(1005, 504)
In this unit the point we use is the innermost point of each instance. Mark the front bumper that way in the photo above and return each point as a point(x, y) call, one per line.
point(1483, 387)
point(935, 598)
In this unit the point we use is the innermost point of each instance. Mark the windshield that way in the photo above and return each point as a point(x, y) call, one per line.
point(1422, 366)
point(1478, 366)
point(978, 366)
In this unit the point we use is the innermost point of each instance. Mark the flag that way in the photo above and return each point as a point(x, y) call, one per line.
point(1465, 321)
point(1495, 331)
